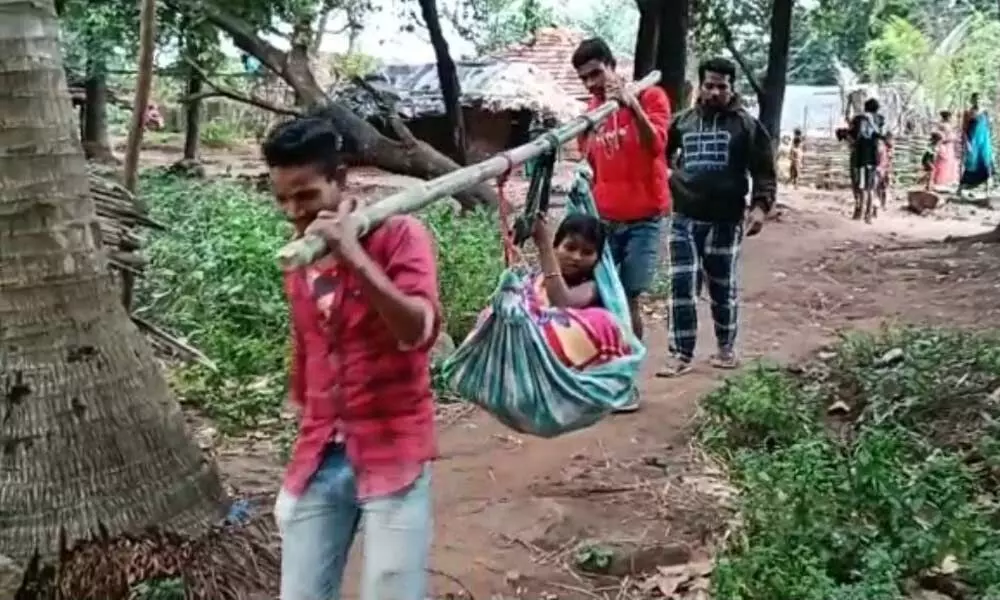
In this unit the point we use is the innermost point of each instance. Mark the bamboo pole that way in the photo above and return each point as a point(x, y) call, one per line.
point(307, 249)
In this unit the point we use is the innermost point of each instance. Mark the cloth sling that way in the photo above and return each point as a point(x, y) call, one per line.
point(507, 367)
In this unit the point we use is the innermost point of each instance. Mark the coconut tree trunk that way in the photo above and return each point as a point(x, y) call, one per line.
point(96, 140)
point(91, 441)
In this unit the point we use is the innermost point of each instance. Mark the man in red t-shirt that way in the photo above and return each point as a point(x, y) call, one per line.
point(363, 320)
point(627, 155)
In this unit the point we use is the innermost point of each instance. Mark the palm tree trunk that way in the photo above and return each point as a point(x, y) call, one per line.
point(91, 441)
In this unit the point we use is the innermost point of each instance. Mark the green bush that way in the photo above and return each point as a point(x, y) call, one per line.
point(761, 410)
point(223, 133)
point(854, 512)
point(213, 279)
point(470, 261)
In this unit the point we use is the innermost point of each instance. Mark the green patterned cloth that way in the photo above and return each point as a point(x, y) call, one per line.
point(507, 368)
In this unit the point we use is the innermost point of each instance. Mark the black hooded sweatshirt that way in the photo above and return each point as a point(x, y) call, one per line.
point(711, 152)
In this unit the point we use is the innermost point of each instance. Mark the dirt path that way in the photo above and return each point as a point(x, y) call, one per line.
point(510, 507)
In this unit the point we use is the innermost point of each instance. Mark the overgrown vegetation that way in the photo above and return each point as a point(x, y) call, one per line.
point(213, 280)
point(870, 472)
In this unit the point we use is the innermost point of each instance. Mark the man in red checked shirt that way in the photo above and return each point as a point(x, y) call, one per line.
point(363, 321)
point(627, 154)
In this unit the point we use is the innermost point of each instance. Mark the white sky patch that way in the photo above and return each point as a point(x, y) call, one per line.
point(385, 38)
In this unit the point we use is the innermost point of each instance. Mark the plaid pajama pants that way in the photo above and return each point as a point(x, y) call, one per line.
point(712, 249)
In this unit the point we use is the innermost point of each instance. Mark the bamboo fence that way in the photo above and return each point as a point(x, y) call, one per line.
point(825, 162)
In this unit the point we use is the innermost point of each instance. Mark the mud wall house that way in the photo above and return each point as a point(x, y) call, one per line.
point(500, 102)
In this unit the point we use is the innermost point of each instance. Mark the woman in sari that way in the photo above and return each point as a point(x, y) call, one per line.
point(562, 297)
point(946, 169)
point(978, 160)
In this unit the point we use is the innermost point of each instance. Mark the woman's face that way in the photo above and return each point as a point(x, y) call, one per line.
point(577, 257)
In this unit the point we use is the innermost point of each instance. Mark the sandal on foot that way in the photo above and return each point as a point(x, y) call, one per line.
point(674, 367)
point(725, 360)
point(629, 407)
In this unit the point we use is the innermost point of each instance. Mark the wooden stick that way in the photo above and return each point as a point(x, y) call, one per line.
point(307, 249)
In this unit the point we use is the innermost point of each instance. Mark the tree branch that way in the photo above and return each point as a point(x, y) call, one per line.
point(388, 109)
point(730, 42)
point(221, 91)
point(244, 36)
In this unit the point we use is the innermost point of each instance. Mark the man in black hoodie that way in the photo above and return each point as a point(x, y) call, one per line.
point(713, 149)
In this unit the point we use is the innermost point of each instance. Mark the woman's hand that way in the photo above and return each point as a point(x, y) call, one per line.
point(542, 233)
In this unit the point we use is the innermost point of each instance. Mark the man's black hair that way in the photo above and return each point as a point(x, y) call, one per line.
point(945, 115)
point(593, 49)
point(720, 65)
point(305, 141)
point(936, 137)
point(871, 105)
point(587, 227)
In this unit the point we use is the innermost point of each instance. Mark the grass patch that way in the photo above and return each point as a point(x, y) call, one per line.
point(870, 502)
point(213, 279)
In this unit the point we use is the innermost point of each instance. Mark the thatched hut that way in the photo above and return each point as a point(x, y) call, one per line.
point(500, 101)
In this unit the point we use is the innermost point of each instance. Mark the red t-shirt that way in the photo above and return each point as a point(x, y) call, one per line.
point(354, 382)
point(630, 181)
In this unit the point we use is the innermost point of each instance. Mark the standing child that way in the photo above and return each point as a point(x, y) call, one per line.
point(363, 320)
point(795, 166)
point(930, 160)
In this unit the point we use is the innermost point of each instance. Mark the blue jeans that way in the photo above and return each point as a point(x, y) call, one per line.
point(318, 528)
point(635, 247)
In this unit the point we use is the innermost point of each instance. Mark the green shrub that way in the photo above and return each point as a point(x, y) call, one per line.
point(763, 409)
point(854, 515)
point(213, 279)
point(223, 133)
point(470, 261)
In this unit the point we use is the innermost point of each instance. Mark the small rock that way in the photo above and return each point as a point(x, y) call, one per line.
point(11, 576)
point(949, 566)
point(891, 357)
point(921, 201)
point(826, 355)
point(654, 461)
point(443, 347)
point(646, 560)
point(512, 578)
point(838, 408)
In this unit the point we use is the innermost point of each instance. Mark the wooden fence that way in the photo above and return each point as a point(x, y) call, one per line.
point(825, 162)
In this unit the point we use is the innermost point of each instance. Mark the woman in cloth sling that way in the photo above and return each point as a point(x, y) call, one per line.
point(563, 299)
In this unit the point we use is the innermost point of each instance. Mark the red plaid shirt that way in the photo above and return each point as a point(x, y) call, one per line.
point(354, 382)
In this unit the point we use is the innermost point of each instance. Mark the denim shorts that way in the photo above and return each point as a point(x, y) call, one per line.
point(635, 247)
